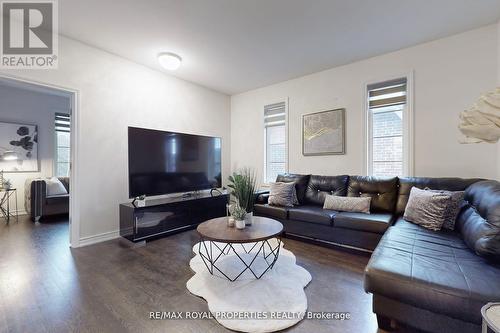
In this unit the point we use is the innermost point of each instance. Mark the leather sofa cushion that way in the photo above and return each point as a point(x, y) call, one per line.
point(56, 204)
point(448, 184)
point(322, 232)
point(479, 222)
point(377, 223)
point(320, 186)
point(271, 211)
point(313, 214)
point(301, 182)
point(383, 191)
point(432, 270)
point(57, 199)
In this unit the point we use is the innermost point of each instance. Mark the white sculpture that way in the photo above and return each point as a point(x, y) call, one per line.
point(481, 123)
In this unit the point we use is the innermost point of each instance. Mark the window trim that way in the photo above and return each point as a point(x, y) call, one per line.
point(408, 125)
point(263, 126)
point(55, 161)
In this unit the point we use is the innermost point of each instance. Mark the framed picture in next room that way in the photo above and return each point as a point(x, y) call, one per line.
point(18, 147)
point(323, 133)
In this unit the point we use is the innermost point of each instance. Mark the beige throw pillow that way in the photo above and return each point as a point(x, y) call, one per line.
point(281, 194)
point(454, 206)
point(427, 208)
point(348, 204)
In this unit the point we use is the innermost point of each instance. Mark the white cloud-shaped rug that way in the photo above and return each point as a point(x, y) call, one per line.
point(271, 303)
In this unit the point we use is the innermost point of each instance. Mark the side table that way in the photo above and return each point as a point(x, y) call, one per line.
point(491, 317)
point(6, 195)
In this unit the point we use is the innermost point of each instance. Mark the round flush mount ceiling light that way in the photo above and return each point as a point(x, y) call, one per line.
point(169, 61)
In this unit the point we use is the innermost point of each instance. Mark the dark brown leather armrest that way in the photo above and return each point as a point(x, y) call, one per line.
point(38, 197)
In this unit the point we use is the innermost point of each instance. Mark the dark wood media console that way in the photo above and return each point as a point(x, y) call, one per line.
point(161, 217)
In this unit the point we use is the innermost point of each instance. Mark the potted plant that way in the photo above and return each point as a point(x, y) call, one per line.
point(242, 185)
point(239, 214)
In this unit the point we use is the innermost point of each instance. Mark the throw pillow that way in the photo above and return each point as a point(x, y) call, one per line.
point(348, 204)
point(426, 208)
point(295, 198)
point(281, 194)
point(55, 187)
point(456, 203)
point(300, 181)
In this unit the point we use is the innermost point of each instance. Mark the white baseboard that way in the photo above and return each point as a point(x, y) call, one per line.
point(84, 241)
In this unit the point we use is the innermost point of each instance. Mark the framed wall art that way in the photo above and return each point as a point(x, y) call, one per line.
point(18, 147)
point(323, 133)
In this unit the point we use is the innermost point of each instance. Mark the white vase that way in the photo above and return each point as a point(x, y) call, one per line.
point(240, 224)
point(249, 218)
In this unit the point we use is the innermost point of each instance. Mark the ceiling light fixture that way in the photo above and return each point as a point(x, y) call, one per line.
point(169, 61)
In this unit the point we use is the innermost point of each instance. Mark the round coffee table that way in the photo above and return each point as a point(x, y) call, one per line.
point(260, 240)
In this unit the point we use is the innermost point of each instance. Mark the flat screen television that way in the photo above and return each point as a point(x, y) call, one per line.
point(162, 162)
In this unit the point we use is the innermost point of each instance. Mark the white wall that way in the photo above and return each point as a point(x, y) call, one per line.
point(449, 75)
point(28, 107)
point(115, 93)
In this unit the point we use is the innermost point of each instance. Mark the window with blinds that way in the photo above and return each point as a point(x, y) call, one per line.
point(276, 144)
point(62, 155)
point(386, 115)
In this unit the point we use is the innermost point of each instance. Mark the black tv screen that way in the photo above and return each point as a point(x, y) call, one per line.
point(162, 162)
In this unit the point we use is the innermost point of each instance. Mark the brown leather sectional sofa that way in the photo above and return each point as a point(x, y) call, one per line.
point(432, 281)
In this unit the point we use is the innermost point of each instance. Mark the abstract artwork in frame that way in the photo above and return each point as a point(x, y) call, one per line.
point(21, 142)
point(323, 133)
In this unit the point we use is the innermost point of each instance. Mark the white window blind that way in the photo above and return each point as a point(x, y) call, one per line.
point(62, 156)
point(275, 137)
point(386, 107)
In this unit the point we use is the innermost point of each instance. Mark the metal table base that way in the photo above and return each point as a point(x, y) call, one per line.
point(211, 252)
point(5, 199)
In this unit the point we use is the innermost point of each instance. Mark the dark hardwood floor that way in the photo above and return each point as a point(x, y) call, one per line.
point(109, 287)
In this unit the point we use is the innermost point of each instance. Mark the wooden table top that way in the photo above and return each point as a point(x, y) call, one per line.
point(262, 228)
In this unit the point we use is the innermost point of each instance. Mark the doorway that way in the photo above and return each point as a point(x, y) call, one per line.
point(39, 160)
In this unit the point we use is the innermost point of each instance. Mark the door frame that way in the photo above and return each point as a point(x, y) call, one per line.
point(74, 207)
